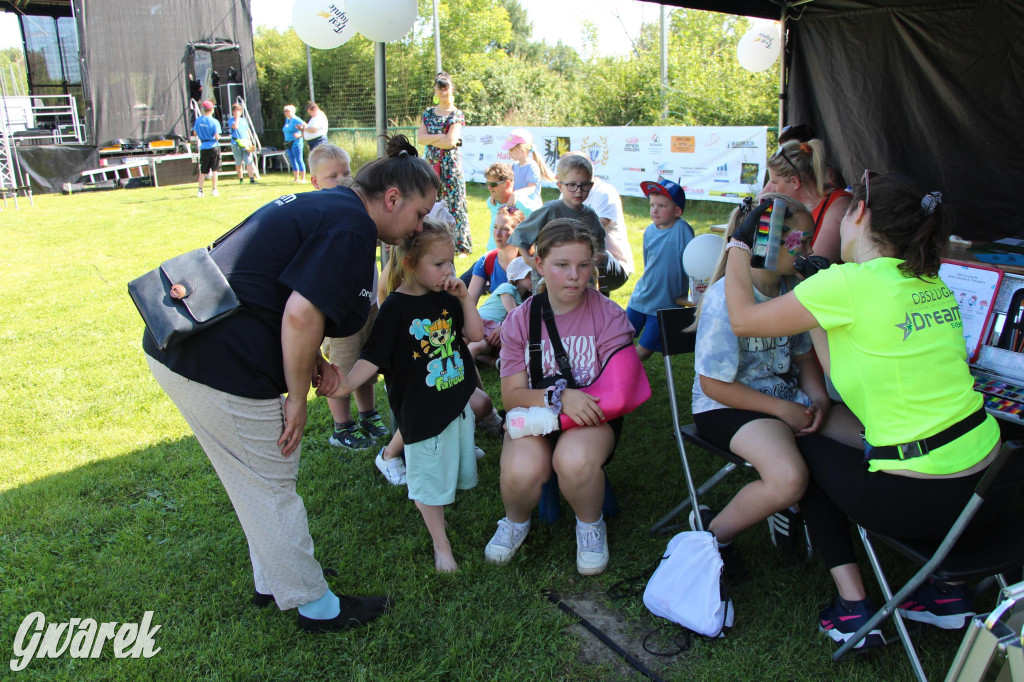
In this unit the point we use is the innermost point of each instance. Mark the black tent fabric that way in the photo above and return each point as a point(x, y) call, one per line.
point(931, 88)
point(50, 166)
point(134, 56)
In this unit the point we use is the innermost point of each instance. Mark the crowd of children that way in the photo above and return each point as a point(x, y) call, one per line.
point(756, 395)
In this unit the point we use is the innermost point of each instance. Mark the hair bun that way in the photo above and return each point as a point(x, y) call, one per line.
point(399, 145)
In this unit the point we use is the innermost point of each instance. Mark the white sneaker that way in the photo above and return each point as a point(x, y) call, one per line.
point(534, 421)
point(591, 548)
point(393, 469)
point(215, 193)
point(505, 542)
point(479, 452)
point(200, 194)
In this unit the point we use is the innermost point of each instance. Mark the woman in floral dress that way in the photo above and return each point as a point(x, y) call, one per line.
point(441, 132)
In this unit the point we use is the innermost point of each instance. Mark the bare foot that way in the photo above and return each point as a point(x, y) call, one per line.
point(444, 561)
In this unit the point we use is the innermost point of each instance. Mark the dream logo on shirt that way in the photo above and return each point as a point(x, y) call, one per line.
point(916, 321)
point(446, 369)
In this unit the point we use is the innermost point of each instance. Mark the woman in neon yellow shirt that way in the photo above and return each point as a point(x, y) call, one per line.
point(888, 332)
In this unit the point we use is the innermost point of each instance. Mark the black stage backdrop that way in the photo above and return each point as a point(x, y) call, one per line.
point(134, 56)
point(931, 88)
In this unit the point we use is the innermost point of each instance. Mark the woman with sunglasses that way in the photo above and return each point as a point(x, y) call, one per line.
point(887, 331)
point(799, 171)
point(441, 132)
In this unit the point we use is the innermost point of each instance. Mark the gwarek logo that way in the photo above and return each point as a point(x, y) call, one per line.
point(82, 638)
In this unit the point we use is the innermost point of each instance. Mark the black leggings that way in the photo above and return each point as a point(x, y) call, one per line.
point(841, 487)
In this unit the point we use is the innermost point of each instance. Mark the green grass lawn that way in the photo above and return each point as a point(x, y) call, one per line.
point(109, 508)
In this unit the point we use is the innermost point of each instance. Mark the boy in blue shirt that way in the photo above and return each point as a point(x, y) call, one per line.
point(664, 277)
point(207, 130)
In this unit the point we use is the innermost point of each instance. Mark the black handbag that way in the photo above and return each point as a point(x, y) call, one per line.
point(183, 296)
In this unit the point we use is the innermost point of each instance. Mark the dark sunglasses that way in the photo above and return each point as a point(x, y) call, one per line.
point(789, 161)
point(495, 184)
point(867, 188)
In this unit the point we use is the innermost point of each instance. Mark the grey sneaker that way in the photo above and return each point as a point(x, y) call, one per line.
point(350, 436)
point(393, 469)
point(493, 425)
point(505, 542)
point(591, 548)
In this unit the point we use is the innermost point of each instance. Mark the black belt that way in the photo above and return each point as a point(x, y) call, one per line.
point(921, 447)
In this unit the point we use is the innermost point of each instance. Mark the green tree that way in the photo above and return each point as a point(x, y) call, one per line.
point(12, 71)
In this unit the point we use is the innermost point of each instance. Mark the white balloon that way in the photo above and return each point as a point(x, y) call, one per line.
point(382, 21)
point(759, 47)
point(701, 255)
point(322, 24)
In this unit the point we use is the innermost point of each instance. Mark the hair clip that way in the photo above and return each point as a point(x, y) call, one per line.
point(930, 201)
point(806, 148)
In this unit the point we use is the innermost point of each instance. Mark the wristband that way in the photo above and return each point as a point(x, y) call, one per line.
point(737, 244)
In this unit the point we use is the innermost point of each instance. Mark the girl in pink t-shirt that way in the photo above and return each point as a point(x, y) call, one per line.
point(591, 328)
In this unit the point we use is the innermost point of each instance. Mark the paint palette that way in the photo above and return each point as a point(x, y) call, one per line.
point(1002, 399)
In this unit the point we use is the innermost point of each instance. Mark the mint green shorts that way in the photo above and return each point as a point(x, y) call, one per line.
point(437, 466)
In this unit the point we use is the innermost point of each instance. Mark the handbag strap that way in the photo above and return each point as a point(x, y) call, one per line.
point(539, 308)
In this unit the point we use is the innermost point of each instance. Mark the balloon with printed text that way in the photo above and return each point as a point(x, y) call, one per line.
point(322, 24)
point(759, 47)
point(382, 21)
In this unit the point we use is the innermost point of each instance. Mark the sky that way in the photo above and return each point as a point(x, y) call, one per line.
point(553, 20)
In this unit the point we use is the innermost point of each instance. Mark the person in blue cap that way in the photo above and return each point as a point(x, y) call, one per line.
point(664, 279)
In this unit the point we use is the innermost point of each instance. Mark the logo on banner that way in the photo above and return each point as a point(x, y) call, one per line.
point(722, 173)
point(654, 146)
point(749, 173)
point(742, 144)
point(632, 188)
point(554, 148)
point(487, 139)
point(664, 169)
point(683, 144)
point(713, 139)
point(632, 144)
point(691, 191)
point(82, 638)
point(596, 150)
point(634, 170)
point(471, 139)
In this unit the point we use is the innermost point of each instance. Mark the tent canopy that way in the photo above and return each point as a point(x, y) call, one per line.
point(930, 88)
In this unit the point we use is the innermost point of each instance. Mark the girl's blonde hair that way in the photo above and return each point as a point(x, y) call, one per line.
point(542, 166)
point(735, 220)
point(805, 160)
point(405, 255)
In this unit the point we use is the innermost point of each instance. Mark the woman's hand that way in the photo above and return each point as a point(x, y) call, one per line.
point(581, 407)
point(797, 417)
point(334, 383)
point(323, 378)
point(294, 423)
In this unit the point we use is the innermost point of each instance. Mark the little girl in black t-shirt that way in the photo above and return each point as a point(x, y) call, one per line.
point(417, 343)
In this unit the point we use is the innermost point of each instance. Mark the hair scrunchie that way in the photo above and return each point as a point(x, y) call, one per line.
point(747, 205)
point(930, 201)
point(404, 152)
point(806, 148)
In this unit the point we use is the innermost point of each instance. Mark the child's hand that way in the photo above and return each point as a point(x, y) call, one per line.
point(494, 338)
point(334, 377)
point(797, 417)
point(581, 407)
point(456, 287)
point(818, 412)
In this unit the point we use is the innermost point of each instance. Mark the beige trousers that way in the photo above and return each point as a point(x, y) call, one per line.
point(239, 435)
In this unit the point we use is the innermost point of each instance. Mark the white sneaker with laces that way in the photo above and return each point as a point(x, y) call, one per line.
point(591, 547)
point(200, 193)
point(393, 469)
point(506, 541)
point(479, 452)
point(215, 193)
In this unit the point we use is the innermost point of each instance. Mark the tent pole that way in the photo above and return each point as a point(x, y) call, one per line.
point(381, 94)
point(782, 70)
point(309, 73)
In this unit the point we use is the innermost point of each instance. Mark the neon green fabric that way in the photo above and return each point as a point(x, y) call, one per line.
point(899, 360)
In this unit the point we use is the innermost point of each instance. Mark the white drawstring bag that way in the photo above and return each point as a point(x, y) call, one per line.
point(687, 587)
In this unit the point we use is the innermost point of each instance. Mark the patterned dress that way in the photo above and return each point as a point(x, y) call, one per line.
point(453, 185)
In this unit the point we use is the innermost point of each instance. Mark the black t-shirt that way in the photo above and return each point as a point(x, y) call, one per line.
point(319, 244)
point(416, 342)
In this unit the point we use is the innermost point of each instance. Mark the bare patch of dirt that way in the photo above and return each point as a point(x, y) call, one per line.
point(626, 634)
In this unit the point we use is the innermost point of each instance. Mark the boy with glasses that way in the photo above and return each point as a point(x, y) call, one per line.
point(575, 180)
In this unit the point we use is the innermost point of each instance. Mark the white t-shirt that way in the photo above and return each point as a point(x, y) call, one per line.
point(606, 203)
point(320, 123)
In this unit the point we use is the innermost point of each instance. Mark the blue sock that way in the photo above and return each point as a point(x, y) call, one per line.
point(324, 608)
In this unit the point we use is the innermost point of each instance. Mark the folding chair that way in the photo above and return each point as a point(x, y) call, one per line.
point(675, 341)
point(991, 550)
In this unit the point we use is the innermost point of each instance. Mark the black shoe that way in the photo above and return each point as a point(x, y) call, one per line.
point(259, 600)
point(786, 528)
point(355, 611)
point(373, 425)
point(706, 516)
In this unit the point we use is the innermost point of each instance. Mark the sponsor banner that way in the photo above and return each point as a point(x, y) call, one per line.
point(715, 164)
